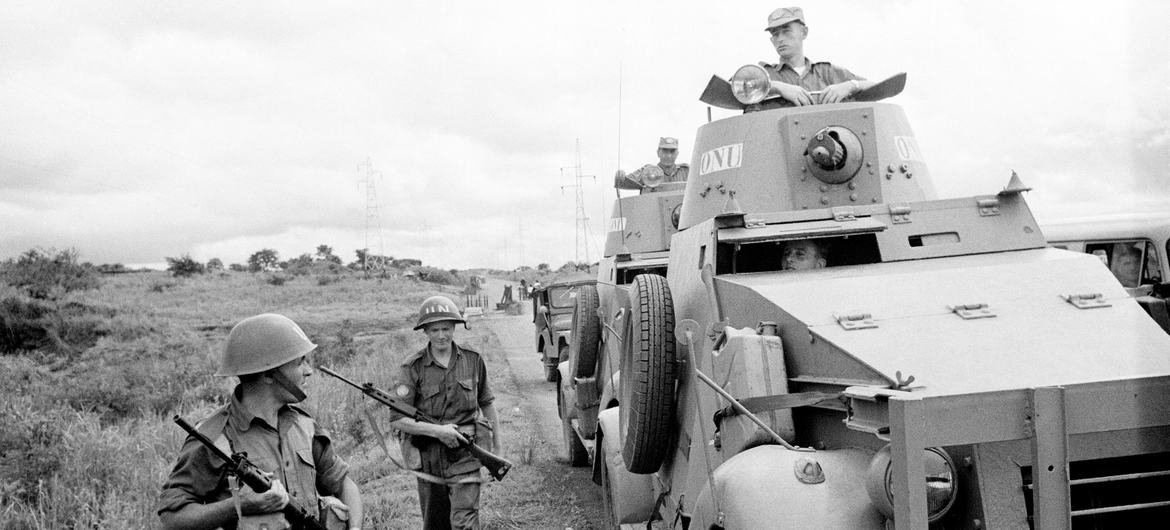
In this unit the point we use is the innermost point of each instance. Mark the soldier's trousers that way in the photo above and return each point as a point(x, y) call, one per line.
point(449, 506)
point(455, 505)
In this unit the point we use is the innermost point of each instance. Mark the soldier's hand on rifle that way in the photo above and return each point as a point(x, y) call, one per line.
point(273, 500)
point(449, 434)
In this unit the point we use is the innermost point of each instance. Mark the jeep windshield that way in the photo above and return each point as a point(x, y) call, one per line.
point(562, 297)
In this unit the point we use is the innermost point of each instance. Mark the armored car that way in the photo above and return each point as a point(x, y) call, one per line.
point(943, 368)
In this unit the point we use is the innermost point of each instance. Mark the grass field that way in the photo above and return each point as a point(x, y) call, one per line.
point(85, 433)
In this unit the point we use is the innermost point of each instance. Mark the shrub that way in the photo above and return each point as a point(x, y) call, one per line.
point(48, 274)
point(263, 260)
point(160, 286)
point(439, 276)
point(276, 279)
point(338, 349)
point(127, 380)
point(22, 324)
point(184, 266)
point(214, 265)
point(31, 439)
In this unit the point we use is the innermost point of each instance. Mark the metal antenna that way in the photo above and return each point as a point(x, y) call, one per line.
point(373, 218)
point(621, 214)
point(582, 232)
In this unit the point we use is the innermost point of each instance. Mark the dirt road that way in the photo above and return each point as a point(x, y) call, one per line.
point(565, 496)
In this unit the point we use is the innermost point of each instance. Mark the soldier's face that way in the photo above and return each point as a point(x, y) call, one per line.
point(789, 39)
point(440, 334)
point(802, 256)
point(292, 375)
point(666, 156)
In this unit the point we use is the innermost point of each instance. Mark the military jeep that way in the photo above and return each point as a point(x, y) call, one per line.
point(552, 314)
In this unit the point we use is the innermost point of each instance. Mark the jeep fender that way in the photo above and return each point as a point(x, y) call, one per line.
point(633, 494)
point(760, 488)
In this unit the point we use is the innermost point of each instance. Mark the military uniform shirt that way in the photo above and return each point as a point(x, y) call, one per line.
point(817, 76)
point(303, 466)
point(450, 395)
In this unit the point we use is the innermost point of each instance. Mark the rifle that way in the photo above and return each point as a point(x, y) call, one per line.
point(240, 466)
point(497, 466)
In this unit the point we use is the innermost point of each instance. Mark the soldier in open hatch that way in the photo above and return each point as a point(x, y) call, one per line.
point(795, 77)
point(651, 175)
point(449, 383)
point(805, 254)
point(268, 353)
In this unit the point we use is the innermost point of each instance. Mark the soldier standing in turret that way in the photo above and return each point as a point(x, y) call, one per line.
point(795, 77)
point(651, 175)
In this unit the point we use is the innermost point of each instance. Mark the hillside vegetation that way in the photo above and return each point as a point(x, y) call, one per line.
point(91, 374)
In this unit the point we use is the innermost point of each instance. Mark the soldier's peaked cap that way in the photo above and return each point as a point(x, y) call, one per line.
point(784, 15)
point(667, 142)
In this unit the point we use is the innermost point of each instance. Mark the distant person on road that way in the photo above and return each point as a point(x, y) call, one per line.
point(449, 383)
point(268, 353)
point(650, 176)
point(795, 77)
point(805, 254)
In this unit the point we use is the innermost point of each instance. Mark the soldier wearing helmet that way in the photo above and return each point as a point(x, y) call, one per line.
point(795, 77)
point(449, 383)
point(650, 176)
point(268, 354)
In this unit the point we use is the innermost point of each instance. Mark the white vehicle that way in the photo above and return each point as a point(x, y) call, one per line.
point(1135, 247)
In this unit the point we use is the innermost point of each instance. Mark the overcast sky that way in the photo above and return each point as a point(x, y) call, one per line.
point(133, 131)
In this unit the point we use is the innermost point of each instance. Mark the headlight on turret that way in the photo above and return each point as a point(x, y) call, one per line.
point(941, 482)
point(750, 84)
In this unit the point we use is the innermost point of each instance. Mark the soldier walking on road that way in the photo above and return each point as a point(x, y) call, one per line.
point(447, 382)
point(268, 353)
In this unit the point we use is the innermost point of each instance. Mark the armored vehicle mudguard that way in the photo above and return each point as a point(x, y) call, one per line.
point(945, 369)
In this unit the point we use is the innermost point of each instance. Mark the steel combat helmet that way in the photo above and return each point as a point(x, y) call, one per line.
point(261, 343)
point(438, 308)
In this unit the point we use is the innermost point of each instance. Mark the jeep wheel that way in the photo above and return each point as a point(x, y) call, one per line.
point(649, 372)
point(585, 334)
point(575, 452)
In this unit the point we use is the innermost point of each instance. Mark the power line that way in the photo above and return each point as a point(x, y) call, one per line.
point(373, 216)
point(581, 236)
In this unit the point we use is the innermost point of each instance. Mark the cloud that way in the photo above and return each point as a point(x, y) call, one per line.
point(138, 130)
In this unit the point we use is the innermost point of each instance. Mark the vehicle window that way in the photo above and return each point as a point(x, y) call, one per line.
point(1152, 274)
point(1133, 262)
point(562, 297)
point(762, 256)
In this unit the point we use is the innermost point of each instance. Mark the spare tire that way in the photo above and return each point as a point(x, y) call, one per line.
point(649, 372)
point(585, 334)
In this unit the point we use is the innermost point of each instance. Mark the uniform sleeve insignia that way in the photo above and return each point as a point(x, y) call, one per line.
point(402, 391)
